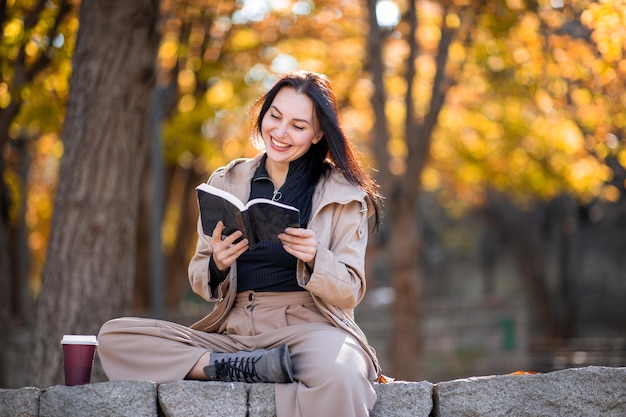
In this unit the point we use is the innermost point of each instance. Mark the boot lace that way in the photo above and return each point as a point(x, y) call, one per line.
point(241, 369)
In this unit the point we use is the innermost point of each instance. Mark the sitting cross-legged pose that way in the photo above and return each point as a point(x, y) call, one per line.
point(284, 312)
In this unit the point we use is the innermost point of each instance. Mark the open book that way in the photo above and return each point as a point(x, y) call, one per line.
point(259, 219)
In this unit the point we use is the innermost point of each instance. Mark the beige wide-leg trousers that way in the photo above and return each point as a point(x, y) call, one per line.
point(331, 370)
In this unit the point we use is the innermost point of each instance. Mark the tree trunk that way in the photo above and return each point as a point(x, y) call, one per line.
point(521, 230)
point(5, 294)
point(569, 263)
point(186, 236)
point(88, 275)
point(405, 252)
point(140, 303)
point(13, 285)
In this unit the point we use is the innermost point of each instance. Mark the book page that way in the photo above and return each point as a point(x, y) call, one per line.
point(271, 202)
point(221, 193)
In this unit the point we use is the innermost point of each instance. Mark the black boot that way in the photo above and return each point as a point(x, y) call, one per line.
point(259, 365)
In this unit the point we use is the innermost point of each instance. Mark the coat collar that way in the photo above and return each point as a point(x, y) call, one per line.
point(333, 188)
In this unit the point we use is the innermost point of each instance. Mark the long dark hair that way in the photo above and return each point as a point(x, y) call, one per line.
point(334, 147)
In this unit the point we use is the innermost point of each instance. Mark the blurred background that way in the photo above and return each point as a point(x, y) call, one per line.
point(495, 128)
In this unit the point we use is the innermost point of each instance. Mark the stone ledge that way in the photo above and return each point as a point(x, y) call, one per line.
point(591, 391)
point(587, 391)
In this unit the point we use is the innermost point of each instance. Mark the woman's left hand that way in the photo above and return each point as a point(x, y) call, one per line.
point(301, 243)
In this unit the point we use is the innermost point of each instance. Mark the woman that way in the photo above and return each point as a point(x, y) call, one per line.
point(284, 311)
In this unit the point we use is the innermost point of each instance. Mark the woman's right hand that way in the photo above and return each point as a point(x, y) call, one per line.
point(225, 251)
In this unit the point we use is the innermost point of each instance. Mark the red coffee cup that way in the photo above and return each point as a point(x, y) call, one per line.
point(78, 355)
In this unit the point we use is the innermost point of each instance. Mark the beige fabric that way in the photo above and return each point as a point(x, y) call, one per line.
point(336, 281)
point(333, 363)
point(328, 363)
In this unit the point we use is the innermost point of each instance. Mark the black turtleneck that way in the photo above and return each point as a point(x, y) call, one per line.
point(269, 267)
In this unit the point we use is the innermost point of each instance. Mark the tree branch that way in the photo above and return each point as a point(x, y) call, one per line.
point(411, 123)
point(376, 69)
point(3, 12)
point(44, 58)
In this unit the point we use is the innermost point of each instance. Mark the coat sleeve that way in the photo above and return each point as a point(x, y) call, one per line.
point(338, 273)
point(198, 270)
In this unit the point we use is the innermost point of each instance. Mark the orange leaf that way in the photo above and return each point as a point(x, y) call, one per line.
point(383, 379)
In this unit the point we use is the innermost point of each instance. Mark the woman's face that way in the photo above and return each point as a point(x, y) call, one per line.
point(290, 126)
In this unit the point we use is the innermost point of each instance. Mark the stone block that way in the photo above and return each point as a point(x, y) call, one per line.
point(105, 399)
point(202, 398)
point(261, 402)
point(23, 402)
point(403, 399)
point(590, 391)
point(193, 398)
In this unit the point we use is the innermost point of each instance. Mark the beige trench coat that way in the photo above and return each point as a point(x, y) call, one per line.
point(336, 280)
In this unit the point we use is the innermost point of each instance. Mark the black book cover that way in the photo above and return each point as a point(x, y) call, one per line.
point(259, 219)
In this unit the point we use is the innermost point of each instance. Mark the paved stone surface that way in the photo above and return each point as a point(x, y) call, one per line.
point(261, 400)
point(104, 399)
point(23, 402)
point(403, 399)
point(591, 391)
point(202, 398)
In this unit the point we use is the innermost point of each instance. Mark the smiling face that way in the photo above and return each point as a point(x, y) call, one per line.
point(289, 127)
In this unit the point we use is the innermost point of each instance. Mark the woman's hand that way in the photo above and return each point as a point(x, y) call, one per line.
point(301, 243)
point(225, 251)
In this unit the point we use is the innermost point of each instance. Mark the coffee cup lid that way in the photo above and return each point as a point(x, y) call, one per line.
point(79, 339)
